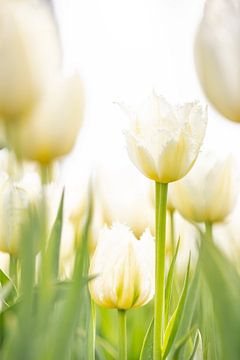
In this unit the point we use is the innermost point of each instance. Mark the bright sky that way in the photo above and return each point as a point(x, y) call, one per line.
point(124, 49)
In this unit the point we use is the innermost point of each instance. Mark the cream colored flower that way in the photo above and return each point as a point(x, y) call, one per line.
point(164, 141)
point(15, 201)
point(52, 128)
point(217, 51)
point(208, 193)
point(134, 207)
point(29, 55)
point(124, 269)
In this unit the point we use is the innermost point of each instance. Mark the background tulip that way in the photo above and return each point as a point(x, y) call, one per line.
point(29, 55)
point(217, 55)
point(208, 193)
point(124, 269)
point(164, 141)
point(52, 128)
point(15, 202)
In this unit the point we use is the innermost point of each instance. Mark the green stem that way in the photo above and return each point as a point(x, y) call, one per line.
point(172, 227)
point(160, 222)
point(92, 333)
point(122, 335)
point(208, 231)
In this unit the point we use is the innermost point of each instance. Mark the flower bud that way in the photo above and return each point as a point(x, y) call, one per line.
point(124, 269)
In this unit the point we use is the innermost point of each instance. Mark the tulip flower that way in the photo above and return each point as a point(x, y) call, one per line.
point(124, 269)
point(52, 128)
point(163, 141)
point(29, 55)
point(134, 208)
point(217, 55)
point(15, 201)
point(208, 193)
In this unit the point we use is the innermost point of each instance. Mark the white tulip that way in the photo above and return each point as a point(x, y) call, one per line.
point(29, 55)
point(208, 193)
point(164, 141)
point(124, 269)
point(52, 128)
point(217, 54)
point(15, 201)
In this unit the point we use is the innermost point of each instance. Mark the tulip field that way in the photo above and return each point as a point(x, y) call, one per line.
point(139, 261)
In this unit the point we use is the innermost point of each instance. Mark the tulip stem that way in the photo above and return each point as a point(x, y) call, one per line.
point(208, 231)
point(122, 335)
point(160, 223)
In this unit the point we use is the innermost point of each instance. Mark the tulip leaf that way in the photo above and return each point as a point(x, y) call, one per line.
point(173, 324)
point(147, 347)
point(169, 284)
point(55, 238)
point(70, 310)
point(4, 280)
point(223, 282)
point(197, 346)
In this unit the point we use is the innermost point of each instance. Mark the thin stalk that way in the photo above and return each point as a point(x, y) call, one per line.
point(160, 223)
point(92, 333)
point(208, 231)
point(122, 335)
point(172, 229)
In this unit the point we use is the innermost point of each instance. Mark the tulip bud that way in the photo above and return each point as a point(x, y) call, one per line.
point(124, 269)
point(52, 128)
point(217, 55)
point(164, 141)
point(29, 55)
point(208, 193)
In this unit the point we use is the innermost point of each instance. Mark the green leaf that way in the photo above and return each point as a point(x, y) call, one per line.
point(197, 346)
point(169, 283)
point(223, 284)
point(182, 342)
point(147, 347)
point(174, 322)
point(55, 239)
point(59, 342)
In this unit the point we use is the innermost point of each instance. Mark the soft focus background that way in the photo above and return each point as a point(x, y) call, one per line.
point(124, 49)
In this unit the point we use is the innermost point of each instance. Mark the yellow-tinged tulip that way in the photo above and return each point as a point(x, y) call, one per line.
point(164, 141)
point(124, 269)
point(52, 128)
point(29, 55)
point(217, 55)
point(208, 192)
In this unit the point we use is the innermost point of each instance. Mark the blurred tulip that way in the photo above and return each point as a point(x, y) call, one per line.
point(208, 193)
point(52, 128)
point(125, 199)
point(164, 141)
point(29, 55)
point(15, 201)
point(217, 54)
point(124, 269)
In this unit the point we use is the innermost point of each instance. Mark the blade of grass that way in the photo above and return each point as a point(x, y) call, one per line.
point(169, 283)
point(173, 324)
point(147, 347)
